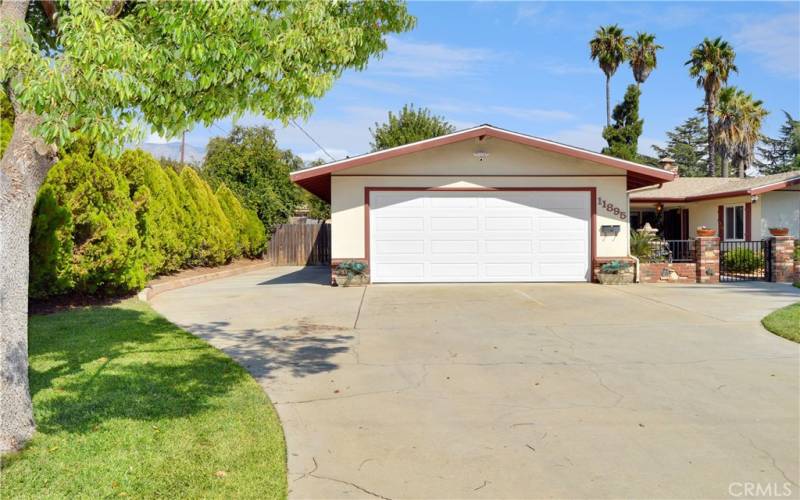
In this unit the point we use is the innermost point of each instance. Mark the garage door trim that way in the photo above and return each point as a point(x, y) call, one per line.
point(592, 212)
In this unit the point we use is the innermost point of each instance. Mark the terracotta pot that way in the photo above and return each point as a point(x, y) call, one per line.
point(706, 232)
point(779, 231)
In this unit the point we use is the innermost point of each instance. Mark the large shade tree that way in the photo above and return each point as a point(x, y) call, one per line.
point(687, 144)
point(610, 48)
point(781, 154)
point(101, 69)
point(738, 128)
point(711, 63)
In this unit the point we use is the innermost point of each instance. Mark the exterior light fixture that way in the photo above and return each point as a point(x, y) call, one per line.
point(754, 198)
point(480, 155)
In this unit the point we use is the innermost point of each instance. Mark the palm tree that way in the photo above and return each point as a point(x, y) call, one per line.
point(711, 62)
point(609, 48)
point(738, 128)
point(642, 56)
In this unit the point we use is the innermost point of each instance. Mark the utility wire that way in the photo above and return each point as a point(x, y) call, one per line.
point(313, 140)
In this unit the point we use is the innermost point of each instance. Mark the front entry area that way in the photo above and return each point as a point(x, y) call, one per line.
point(479, 236)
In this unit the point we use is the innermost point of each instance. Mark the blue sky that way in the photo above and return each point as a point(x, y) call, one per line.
point(525, 66)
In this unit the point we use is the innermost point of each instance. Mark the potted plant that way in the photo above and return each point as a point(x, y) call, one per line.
point(615, 272)
point(705, 231)
point(353, 271)
point(779, 231)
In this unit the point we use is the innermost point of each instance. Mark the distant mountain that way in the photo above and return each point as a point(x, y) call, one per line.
point(172, 150)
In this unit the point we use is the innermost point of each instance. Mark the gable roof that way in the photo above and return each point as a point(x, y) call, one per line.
point(318, 179)
point(709, 188)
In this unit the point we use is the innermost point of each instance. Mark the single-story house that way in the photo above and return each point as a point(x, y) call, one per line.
point(738, 209)
point(482, 204)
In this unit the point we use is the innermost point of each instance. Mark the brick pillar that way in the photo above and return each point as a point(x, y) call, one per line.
point(782, 259)
point(706, 251)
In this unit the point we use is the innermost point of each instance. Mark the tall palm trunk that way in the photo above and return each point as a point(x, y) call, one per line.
point(23, 168)
point(725, 167)
point(741, 168)
point(608, 100)
point(712, 147)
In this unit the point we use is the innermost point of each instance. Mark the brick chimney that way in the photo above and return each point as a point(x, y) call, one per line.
point(668, 164)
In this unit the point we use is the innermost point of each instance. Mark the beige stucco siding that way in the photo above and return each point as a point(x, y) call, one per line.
point(780, 209)
point(508, 166)
point(705, 213)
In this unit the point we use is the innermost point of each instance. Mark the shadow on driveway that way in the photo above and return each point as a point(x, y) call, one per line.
point(311, 275)
point(302, 349)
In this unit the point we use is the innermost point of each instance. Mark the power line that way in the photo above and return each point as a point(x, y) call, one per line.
point(313, 140)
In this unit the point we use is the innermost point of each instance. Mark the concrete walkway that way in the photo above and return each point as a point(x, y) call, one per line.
point(513, 390)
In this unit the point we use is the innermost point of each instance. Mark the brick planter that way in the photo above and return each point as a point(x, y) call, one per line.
point(662, 272)
point(598, 262)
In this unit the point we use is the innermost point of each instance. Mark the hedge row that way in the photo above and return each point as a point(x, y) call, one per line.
point(104, 227)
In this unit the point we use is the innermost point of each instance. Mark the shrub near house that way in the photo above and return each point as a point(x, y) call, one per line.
point(104, 227)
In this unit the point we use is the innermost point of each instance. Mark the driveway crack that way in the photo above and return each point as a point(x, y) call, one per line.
point(354, 485)
point(771, 459)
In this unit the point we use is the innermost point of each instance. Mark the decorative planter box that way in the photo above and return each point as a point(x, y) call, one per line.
point(623, 278)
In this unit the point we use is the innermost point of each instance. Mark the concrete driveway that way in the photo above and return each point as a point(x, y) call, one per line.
point(514, 390)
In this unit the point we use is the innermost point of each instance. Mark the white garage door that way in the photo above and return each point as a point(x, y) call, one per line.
point(450, 236)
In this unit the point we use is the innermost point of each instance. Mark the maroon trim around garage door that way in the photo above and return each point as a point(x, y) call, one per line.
point(591, 190)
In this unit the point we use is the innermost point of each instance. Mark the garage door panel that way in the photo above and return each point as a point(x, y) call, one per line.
point(453, 270)
point(400, 247)
point(494, 247)
point(454, 223)
point(577, 246)
point(393, 271)
point(394, 224)
point(508, 270)
point(480, 236)
point(454, 246)
point(510, 223)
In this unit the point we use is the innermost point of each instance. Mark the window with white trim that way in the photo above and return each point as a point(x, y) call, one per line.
point(734, 222)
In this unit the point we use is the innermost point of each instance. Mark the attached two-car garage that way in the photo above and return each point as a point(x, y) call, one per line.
point(471, 236)
point(479, 205)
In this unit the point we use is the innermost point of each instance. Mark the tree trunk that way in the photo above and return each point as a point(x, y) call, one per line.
point(725, 167)
point(23, 168)
point(742, 168)
point(712, 147)
point(608, 101)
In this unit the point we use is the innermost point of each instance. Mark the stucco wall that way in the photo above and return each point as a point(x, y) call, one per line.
point(705, 213)
point(454, 166)
point(780, 209)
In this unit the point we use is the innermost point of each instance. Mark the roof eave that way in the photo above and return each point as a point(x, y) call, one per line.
point(643, 175)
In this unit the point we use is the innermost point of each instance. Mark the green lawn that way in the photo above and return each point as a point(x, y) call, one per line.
point(784, 322)
point(128, 404)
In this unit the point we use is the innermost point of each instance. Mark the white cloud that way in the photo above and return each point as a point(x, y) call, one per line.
point(564, 69)
point(775, 40)
point(489, 113)
point(529, 11)
point(431, 60)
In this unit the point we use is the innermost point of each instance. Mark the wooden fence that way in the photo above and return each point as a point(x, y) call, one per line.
point(300, 245)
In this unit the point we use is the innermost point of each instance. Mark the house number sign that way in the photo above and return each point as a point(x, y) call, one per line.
point(611, 208)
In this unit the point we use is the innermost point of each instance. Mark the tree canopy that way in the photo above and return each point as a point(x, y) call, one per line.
point(781, 154)
point(409, 125)
point(101, 68)
point(687, 144)
point(623, 135)
point(252, 165)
